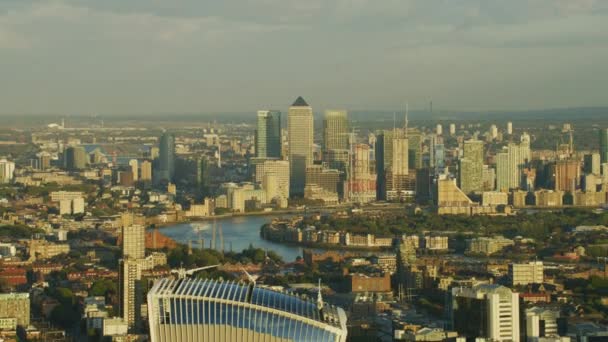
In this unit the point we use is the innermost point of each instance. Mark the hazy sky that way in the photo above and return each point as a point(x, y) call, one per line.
point(140, 56)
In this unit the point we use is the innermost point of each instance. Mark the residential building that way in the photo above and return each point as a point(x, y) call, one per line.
point(488, 246)
point(528, 273)
point(15, 306)
point(471, 167)
point(146, 171)
point(7, 171)
point(134, 166)
point(134, 241)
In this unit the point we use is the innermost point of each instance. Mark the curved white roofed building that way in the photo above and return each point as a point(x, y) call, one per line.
point(210, 310)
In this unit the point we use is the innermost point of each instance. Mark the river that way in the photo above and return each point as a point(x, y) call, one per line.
point(239, 232)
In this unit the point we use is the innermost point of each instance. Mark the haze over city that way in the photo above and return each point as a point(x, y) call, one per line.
point(143, 57)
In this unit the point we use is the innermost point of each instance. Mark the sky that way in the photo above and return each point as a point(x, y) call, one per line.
point(191, 56)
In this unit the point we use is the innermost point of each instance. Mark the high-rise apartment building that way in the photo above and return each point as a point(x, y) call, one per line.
point(134, 241)
point(604, 145)
point(439, 129)
point(268, 134)
point(204, 309)
point(528, 273)
point(166, 156)
point(301, 134)
point(146, 170)
point(510, 164)
point(393, 162)
point(134, 165)
point(542, 322)
point(486, 311)
point(452, 129)
point(509, 128)
point(7, 171)
point(130, 292)
point(471, 167)
point(335, 130)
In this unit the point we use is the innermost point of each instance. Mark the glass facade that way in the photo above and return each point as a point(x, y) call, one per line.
point(197, 309)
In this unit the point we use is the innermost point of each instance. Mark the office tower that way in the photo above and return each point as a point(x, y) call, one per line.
point(130, 292)
point(452, 129)
point(268, 134)
point(414, 138)
point(384, 160)
point(528, 273)
point(486, 311)
point(154, 152)
point(7, 171)
point(146, 170)
point(567, 175)
point(301, 133)
point(439, 129)
point(592, 164)
point(510, 163)
point(471, 167)
point(339, 160)
point(134, 241)
point(335, 130)
point(166, 157)
point(134, 165)
point(277, 168)
point(439, 157)
point(75, 158)
point(328, 179)
point(604, 145)
point(509, 128)
point(542, 322)
point(361, 186)
point(205, 309)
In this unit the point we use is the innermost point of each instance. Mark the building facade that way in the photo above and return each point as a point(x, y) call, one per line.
point(268, 134)
point(301, 132)
point(201, 310)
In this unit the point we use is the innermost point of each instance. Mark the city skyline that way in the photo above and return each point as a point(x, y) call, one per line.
point(189, 56)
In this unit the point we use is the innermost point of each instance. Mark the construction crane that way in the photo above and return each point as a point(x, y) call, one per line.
point(182, 273)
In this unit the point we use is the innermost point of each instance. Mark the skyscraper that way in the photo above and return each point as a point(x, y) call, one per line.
point(277, 168)
point(166, 156)
point(414, 138)
point(471, 167)
point(510, 164)
point(301, 134)
point(392, 161)
point(75, 158)
point(604, 145)
point(268, 134)
point(335, 130)
point(592, 164)
point(204, 309)
point(134, 164)
point(146, 170)
point(130, 292)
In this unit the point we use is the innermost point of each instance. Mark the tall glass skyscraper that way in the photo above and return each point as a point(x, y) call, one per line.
point(268, 134)
point(208, 310)
point(604, 145)
point(301, 133)
point(335, 130)
point(166, 157)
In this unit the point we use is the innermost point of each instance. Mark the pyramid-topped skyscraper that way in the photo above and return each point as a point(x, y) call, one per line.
point(301, 133)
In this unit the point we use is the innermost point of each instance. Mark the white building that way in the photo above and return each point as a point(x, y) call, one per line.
point(7, 171)
point(134, 169)
point(489, 310)
point(529, 273)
